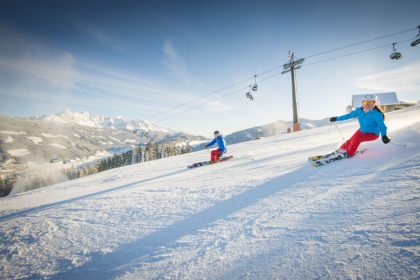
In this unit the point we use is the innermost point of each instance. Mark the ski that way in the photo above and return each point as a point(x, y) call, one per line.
point(315, 158)
point(331, 159)
point(323, 161)
point(198, 164)
point(319, 157)
point(204, 163)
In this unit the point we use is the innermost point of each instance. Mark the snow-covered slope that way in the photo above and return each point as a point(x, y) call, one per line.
point(266, 214)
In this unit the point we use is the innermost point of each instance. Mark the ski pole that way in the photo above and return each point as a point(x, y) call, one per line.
point(339, 131)
point(398, 144)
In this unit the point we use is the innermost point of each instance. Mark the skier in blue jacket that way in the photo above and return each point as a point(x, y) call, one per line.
point(221, 143)
point(372, 124)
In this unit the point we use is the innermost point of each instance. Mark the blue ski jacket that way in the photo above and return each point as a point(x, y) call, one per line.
point(370, 122)
point(220, 142)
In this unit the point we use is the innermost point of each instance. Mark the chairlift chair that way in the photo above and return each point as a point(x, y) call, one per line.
point(416, 40)
point(255, 86)
point(249, 95)
point(395, 53)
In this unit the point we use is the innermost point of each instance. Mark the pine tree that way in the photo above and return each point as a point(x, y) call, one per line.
point(188, 148)
point(108, 163)
point(138, 155)
point(92, 169)
point(149, 152)
point(129, 157)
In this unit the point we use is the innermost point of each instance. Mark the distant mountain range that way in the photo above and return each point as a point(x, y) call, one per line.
point(271, 129)
point(86, 119)
point(74, 136)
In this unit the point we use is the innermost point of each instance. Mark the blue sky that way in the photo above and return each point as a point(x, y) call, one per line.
point(138, 59)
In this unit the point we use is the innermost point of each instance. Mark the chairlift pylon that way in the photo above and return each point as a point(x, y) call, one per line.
point(395, 53)
point(416, 40)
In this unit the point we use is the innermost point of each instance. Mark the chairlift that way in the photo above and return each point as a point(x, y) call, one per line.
point(416, 40)
point(255, 86)
point(395, 53)
point(249, 95)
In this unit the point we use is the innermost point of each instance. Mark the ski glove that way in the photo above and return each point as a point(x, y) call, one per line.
point(333, 119)
point(386, 139)
point(206, 146)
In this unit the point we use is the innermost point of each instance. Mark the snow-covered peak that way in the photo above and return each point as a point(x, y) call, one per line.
point(87, 119)
point(74, 117)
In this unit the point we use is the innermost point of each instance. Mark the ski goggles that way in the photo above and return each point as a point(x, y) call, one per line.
point(368, 103)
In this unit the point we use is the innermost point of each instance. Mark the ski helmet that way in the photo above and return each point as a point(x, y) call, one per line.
point(369, 101)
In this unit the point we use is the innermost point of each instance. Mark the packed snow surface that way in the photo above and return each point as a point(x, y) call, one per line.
point(58, 146)
point(48, 135)
point(18, 152)
point(266, 214)
point(12, 132)
point(9, 139)
point(35, 139)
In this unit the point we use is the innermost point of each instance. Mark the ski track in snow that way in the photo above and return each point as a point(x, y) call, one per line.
point(266, 214)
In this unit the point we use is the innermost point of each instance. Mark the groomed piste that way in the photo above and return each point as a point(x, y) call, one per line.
point(265, 214)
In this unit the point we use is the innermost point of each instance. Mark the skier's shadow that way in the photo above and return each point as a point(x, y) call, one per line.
point(115, 264)
point(75, 199)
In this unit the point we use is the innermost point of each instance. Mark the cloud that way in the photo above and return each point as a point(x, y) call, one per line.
point(175, 64)
point(26, 59)
point(57, 70)
point(99, 35)
point(218, 105)
point(405, 79)
point(32, 71)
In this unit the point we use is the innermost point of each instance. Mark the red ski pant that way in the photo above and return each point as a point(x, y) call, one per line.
point(353, 143)
point(215, 154)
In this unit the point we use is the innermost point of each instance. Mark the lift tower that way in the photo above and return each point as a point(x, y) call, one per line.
point(291, 67)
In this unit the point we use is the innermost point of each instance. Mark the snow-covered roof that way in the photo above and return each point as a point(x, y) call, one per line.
point(385, 98)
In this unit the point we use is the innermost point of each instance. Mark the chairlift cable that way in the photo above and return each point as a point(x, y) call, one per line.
point(198, 105)
point(361, 42)
point(153, 116)
point(349, 54)
point(275, 75)
point(198, 98)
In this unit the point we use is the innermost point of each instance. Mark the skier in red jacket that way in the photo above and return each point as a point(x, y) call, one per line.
point(216, 154)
